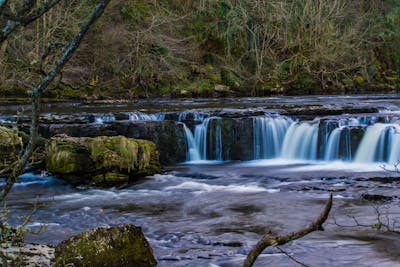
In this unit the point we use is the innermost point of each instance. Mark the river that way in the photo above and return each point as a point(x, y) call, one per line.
point(236, 185)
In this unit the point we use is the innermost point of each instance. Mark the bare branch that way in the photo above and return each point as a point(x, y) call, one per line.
point(292, 258)
point(24, 19)
point(34, 15)
point(270, 240)
point(73, 45)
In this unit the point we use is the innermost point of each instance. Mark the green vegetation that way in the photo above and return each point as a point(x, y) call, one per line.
point(115, 246)
point(101, 160)
point(10, 144)
point(143, 48)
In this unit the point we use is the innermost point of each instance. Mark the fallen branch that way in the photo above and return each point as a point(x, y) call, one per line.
point(270, 240)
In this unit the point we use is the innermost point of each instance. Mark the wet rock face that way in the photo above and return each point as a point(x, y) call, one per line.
point(101, 160)
point(115, 246)
point(10, 143)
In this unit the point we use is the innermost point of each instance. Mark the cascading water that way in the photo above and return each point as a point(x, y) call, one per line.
point(380, 144)
point(269, 134)
point(332, 147)
point(193, 150)
point(301, 141)
point(103, 118)
point(140, 116)
point(360, 139)
point(191, 114)
point(206, 142)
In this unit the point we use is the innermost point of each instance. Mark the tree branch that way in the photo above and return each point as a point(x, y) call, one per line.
point(270, 240)
point(3, 4)
point(25, 20)
point(35, 94)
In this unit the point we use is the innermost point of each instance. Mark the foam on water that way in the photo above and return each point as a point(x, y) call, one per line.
point(203, 187)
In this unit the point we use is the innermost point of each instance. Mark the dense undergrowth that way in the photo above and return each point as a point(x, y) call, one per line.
point(143, 48)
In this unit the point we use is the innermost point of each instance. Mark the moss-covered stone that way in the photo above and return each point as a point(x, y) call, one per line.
point(68, 155)
point(118, 151)
point(116, 246)
point(149, 158)
point(101, 160)
point(10, 143)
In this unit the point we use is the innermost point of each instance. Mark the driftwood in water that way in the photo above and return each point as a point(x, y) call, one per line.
point(269, 240)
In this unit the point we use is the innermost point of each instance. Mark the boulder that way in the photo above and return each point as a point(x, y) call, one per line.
point(103, 160)
point(10, 144)
point(112, 246)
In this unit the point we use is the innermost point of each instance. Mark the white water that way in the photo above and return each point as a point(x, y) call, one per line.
point(207, 134)
point(269, 134)
point(301, 141)
point(380, 143)
point(280, 137)
point(103, 118)
point(140, 116)
point(193, 151)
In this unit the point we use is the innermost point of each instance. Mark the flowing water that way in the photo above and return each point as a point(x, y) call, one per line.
point(211, 209)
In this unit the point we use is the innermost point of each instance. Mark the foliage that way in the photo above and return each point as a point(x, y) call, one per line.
point(143, 48)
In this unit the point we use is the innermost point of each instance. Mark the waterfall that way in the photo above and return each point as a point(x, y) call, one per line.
point(380, 143)
point(269, 134)
point(191, 114)
point(361, 139)
point(332, 147)
point(301, 141)
point(193, 151)
point(205, 137)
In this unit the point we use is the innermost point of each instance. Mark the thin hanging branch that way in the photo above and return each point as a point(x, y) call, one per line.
point(35, 94)
point(270, 240)
point(24, 17)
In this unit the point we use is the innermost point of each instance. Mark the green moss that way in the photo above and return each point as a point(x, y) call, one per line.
point(10, 144)
point(116, 246)
point(105, 160)
point(149, 163)
point(117, 151)
point(68, 155)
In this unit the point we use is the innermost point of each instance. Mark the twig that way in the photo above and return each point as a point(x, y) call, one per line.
point(292, 258)
point(270, 240)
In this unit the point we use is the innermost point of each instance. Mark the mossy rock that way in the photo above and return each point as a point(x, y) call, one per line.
point(114, 246)
point(10, 144)
point(101, 160)
point(68, 155)
point(119, 151)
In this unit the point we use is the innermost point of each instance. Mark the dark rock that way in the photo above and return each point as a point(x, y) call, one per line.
point(116, 246)
point(375, 197)
point(169, 137)
point(318, 110)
